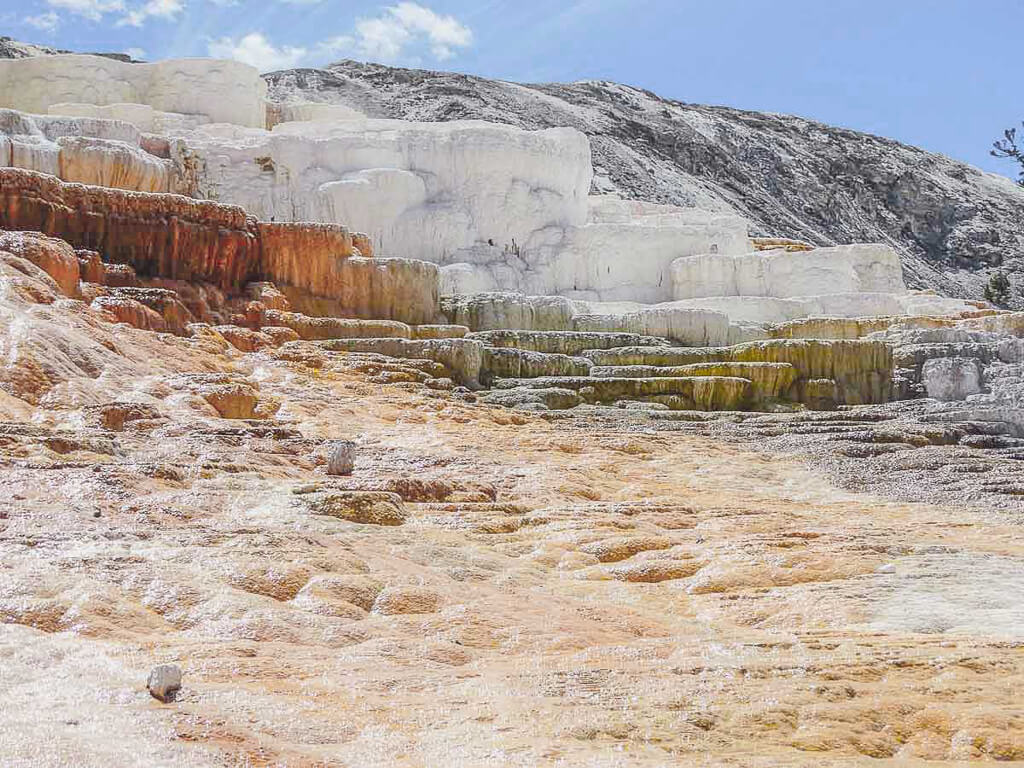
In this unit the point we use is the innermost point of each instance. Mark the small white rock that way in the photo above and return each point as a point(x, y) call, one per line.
point(164, 682)
point(887, 568)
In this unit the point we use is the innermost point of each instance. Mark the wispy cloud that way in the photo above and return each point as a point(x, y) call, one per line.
point(257, 50)
point(90, 9)
point(387, 36)
point(394, 33)
point(162, 9)
point(47, 22)
point(97, 10)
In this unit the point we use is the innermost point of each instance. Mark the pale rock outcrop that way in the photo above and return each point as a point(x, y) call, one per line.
point(310, 111)
point(219, 90)
point(952, 378)
point(88, 150)
point(440, 331)
point(769, 380)
point(785, 274)
point(861, 369)
point(321, 328)
point(703, 393)
point(625, 252)
point(426, 190)
point(341, 457)
point(164, 682)
point(571, 343)
point(682, 324)
point(510, 363)
point(500, 311)
point(497, 208)
point(462, 357)
point(142, 116)
point(112, 164)
point(405, 290)
point(588, 262)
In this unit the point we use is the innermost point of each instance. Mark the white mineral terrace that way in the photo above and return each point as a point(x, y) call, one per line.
point(496, 207)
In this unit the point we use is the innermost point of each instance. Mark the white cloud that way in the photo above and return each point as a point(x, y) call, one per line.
point(47, 22)
point(90, 9)
point(136, 53)
point(257, 50)
point(163, 9)
point(385, 38)
point(445, 33)
point(335, 46)
point(388, 35)
point(382, 38)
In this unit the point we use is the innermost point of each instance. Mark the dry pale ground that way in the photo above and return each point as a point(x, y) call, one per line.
point(557, 596)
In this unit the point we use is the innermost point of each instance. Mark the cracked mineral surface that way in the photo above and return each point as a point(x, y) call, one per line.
point(602, 586)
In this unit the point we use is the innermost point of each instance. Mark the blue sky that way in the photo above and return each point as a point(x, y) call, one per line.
point(942, 74)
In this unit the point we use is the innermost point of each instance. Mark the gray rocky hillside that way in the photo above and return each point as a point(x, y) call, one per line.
point(952, 223)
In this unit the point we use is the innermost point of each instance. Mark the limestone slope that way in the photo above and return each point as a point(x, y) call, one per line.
point(791, 177)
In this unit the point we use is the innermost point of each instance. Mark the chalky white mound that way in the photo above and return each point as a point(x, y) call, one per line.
point(499, 209)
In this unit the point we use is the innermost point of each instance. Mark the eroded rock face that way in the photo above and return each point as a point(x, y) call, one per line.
point(159, 235)
point(177, 238)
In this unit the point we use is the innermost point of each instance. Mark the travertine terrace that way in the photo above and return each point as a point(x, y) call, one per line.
point(630, 487)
